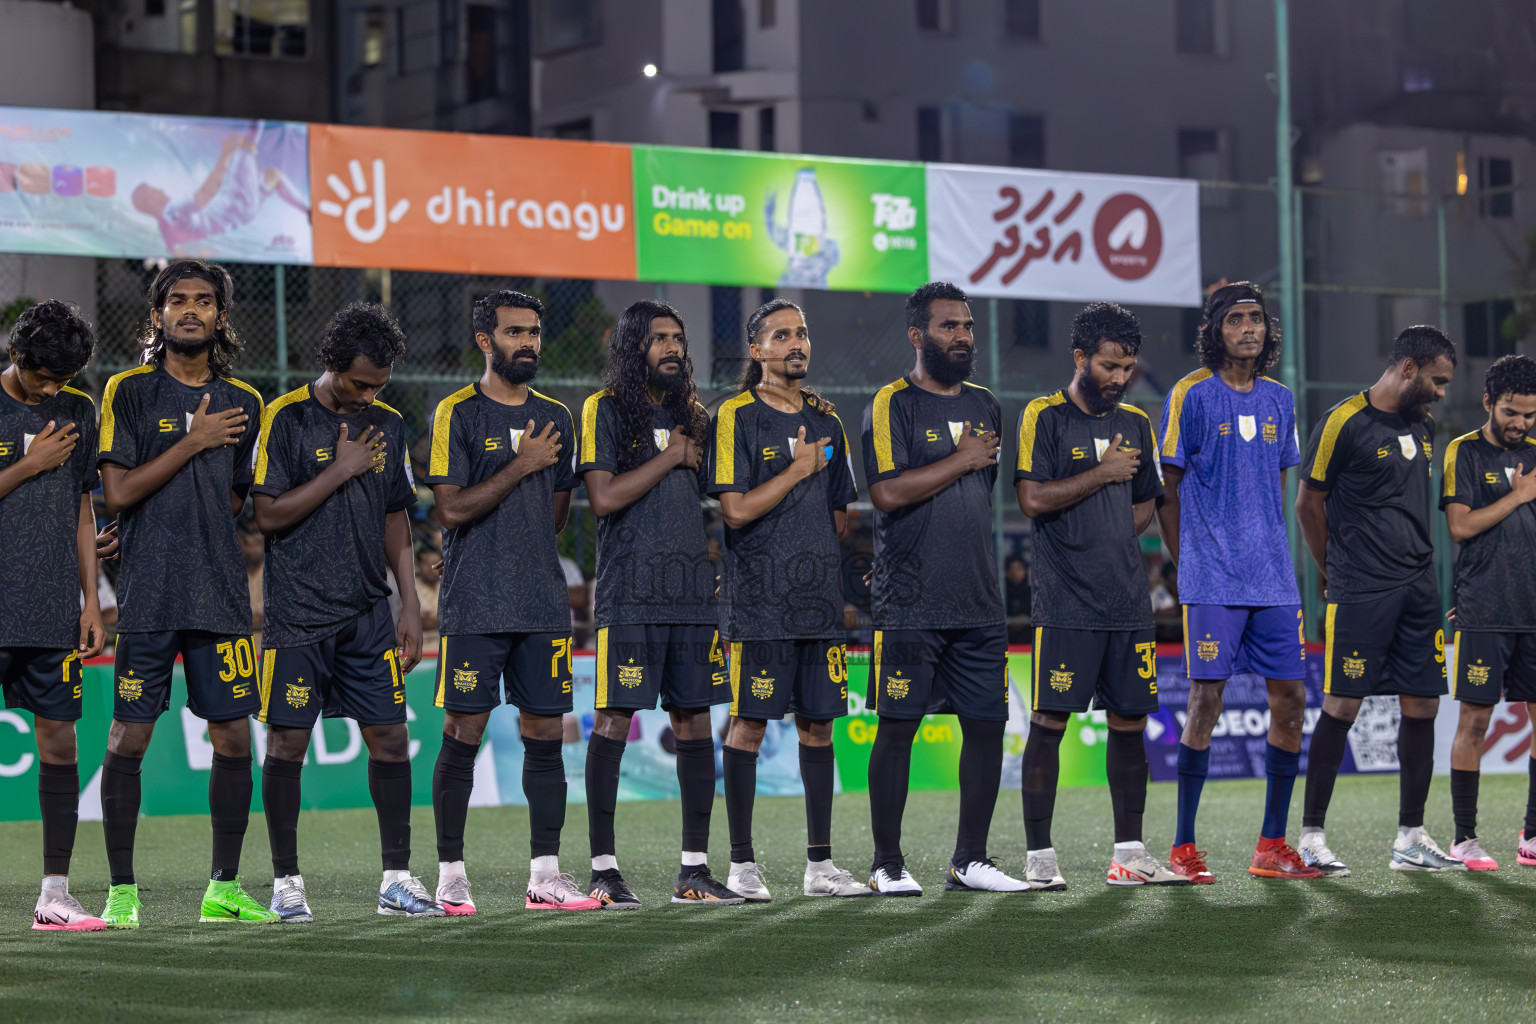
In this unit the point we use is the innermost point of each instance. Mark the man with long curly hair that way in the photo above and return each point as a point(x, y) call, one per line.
point(1229, 435)
point(175, 457)
point(642, 440)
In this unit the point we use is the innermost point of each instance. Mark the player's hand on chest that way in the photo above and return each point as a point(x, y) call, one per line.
point(536, 440)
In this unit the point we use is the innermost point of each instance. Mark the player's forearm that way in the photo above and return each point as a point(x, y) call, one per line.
point(1041, 497)
point(1168, 513)
point(85, 551)
point(919, 484)
point(610, 493)
point(124, 488)
point(1313, 519)
point(278, 513)
point(1142, 513)
point(739, 510)
point(459, 506)
point(213, 182)
point(402, 561)
point(14, 475)
point(1465, 523)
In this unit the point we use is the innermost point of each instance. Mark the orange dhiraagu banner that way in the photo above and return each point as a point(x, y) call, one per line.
point(479, 204)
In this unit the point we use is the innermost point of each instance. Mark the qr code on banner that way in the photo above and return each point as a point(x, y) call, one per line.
point(1373, 740)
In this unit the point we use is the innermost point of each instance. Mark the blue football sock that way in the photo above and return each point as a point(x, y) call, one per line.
point(1280, 776)
point(1193, 765)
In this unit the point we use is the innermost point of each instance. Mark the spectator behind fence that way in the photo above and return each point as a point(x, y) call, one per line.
point(1017, 597)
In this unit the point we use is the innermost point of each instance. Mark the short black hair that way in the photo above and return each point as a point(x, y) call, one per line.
point(920, 302)
point(52, 336)
point(1510, 375)
point(227, 346)
point(361, 329)
point(484, 316)
point(1423, 344)
point(1099, 322)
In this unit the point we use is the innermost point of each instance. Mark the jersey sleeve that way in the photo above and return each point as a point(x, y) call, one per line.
point(1181, 427)
point(843, 488)
point(599, 436)
point(565, 465)
point(85, 448)
point(273, 471)
point(1148, 481)
point(1459, 476)
point(118, 440)
point(730, 467)
point(1037, 443)
point(448, 462)
point(1290, 437)
point(1326, 453)
point(245, 448)
point(884, 437)
point(402, 483)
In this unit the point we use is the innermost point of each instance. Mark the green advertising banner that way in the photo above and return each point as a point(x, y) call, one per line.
point(336, 770)
point(726, 217)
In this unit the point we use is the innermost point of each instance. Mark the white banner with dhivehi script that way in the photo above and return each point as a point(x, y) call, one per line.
point(1063, 236)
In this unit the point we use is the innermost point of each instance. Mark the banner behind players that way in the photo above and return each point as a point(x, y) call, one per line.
point(1062, 236)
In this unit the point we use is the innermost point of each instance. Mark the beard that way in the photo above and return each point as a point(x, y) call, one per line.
point(1416, 400)
point(187, 348)
point(943, 367)
point(797, 372)
point(1511, 437)
point(668, 383)
point(1101, 400)
point(512, 368)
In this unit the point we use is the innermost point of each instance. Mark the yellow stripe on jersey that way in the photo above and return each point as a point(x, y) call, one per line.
point(1450, 463)
point(589, 427)
point(874, 676)
point(1189, 670)
point(1176, 409)
point(880, 425)
point(268, 664)
point(1331, 429)
point(1333, 611)
point(387, 407)
point(725, 446)
point(1027, 426)
point(108, 418)
point(442, 672)
point(551, 400)
point(602, 658)
point(267, 416)
point(442, 419)
point(82, 394)
point(735, 672)
point(243, 386)
point(1035, 655)
point(1455, 657)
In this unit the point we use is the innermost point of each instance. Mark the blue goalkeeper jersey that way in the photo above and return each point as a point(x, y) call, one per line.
point(1232, 446)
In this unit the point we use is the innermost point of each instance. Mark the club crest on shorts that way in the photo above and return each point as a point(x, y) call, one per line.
point(661, 437)
point(762, 687)
point(465, 679)
point(897, 686)
point(631, 675)
point(298, 696)
point(517, 440)
point(1248, 427)
point(1477, 674)
point(1100, 446)
point(1208, 649)
point(1061, 679)
point(1354, 667)
point(1409, 446)
point(954, 430)
point(129, 688)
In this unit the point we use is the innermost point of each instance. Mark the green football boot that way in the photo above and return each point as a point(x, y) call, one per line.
point(226, 901)
point(123, 906)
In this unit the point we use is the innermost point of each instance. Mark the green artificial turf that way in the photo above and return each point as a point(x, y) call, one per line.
point(1380, 945)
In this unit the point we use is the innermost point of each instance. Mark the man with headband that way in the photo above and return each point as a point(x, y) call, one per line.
point(1229, 435)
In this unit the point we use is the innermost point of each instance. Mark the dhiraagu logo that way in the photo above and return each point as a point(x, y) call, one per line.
point(359, 200)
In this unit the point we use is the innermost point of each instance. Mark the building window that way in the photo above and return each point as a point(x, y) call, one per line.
point(936, 15)
point(1483, 328)
point(1203, 156)
point(930, 134)
point(724, 129)
point(725, 335)
point(254, 28)
point(480, 56)
point(1021, 19)
point(154, 8)
point(1026, 140)
point(767, 13)
point(564, 25)
point(1496, 172)
point(401, 65)
point(767, 129)
point(1031, 323)
point(728, 28)
point(1200, 27)
point(373, 37)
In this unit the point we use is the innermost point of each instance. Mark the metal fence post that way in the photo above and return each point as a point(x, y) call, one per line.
point(1442, 530)
point(280, 329)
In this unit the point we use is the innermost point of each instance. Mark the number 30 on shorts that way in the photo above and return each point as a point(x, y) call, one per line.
point(837, 667)
point(239, 663)
point(1148, 669)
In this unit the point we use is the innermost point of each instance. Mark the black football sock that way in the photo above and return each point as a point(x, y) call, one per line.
point(280, 788)
point(1042, 767)
point(1416, 758)
point(453, 780)
point(229, 808)
point(603, 756)
point(544, 787)
point(389, 784)
point(740, 792)
point(1324, 756)
point(58, 797)
point(890, 773)
point(981, 773)
point(120, 797)
point(1464, 802)
point(818, 774)
point(696, 781)
point(1126, 766)
point(1530, 801)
